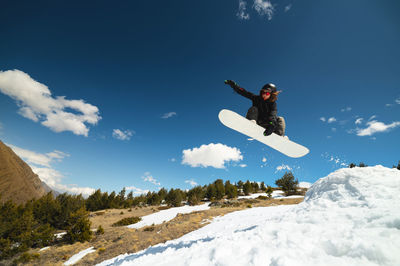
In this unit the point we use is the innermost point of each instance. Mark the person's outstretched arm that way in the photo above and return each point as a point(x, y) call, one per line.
point(240, 90)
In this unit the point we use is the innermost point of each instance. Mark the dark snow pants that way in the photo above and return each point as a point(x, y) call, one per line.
point(280, 125)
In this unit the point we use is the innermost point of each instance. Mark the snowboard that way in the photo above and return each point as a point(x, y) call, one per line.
point(252, 130)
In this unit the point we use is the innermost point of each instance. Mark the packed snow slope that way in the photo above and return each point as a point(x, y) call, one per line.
point(350, 217)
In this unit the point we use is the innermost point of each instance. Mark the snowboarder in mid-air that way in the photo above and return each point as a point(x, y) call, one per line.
point(264, 110)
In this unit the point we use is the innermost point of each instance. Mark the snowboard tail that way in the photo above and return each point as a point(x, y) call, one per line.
point(250, 129)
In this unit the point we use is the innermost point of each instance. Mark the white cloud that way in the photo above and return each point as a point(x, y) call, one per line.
point(264, 160)
point(41, 165)
point(331, 120)
point(283, 167)
point(214, 155)
point(397, 101)
point(264, 7)
point(149, 178)
point(172, 160)
point(242, 13)
point(122, 135)
point(32, 157)
point(358, 121)
point(323, 119)
point(36, 103)
point(372, 117)
point(137, 191)
point(376, 127)
point(168, 115)
point(243, 165)
point(191, 182)
point(288, 7)
point(347, 109)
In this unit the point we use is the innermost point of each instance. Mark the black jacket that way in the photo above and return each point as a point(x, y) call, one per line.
point(267, 111)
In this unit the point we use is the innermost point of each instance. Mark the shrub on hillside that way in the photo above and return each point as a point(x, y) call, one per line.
point(195, 195)
point(79, 227)
point(174, 197)
point(231, 191)
point(127, 221)
point(269, 191)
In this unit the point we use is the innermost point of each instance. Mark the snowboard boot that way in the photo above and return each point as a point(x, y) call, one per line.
point(280, 127)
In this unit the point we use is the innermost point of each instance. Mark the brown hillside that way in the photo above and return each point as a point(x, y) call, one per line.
point(17, 181)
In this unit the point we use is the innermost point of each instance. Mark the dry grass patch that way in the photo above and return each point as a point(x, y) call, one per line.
point(119, 240)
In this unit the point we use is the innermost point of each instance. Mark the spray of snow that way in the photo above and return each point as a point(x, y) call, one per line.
point(350, 217)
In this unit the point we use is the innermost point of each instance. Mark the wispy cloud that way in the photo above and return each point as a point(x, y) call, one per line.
point(41, 165)
point(122, 134)
point(347, 109)
point(213, 155)
point(288, 7)
point(283, 167)
point(147, 177)
point(242, 12)
point(331, 120)
point(191, 182)
point(375, 126)
point(36, 103)
point(168, 115)
point(359, 121)
point(396, 101)
point(137, 191)
point(264, 7)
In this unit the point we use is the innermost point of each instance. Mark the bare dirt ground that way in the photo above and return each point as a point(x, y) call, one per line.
point(120, 240)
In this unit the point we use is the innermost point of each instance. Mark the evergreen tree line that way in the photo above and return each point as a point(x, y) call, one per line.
point(174, 197)
point(352, 165)
point(34, 224)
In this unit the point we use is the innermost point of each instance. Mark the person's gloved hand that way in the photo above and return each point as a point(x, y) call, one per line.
point(231, 83)
point(269, 129)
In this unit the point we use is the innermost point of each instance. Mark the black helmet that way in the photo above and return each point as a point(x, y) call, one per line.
point(269, 87)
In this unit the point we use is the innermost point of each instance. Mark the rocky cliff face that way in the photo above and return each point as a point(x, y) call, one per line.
point(17, 181)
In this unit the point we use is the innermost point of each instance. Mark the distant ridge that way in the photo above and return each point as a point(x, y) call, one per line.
point(18, 182)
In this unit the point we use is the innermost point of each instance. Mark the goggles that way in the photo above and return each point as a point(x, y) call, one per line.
point(265, 92)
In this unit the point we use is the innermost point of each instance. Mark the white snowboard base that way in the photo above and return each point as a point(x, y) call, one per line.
point(252, 130)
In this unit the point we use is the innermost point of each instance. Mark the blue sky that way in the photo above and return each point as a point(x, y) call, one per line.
point(127, 94)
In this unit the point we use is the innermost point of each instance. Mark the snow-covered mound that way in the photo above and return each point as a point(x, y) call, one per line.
point(350, 217)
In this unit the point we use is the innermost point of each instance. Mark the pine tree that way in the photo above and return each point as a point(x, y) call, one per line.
point(262, 187)
point(78, 227)
point(94, 201)
point(352, 165)
point(211, 192)
point(247, 188)
point(174, 197)
point(269, 191)
point(288, 183)
point(220, 189)
point(231, 191)
point(195, 195)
